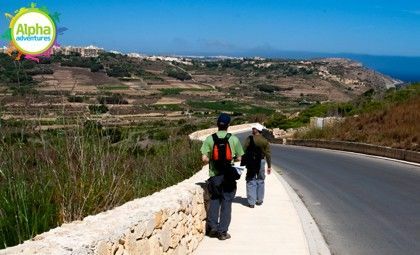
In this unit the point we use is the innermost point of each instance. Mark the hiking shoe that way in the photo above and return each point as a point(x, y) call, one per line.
point(223, 236)
point(259, 203)
point(251, 206)
point(212, 233)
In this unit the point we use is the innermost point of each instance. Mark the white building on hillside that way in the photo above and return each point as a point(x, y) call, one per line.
point(89, 51)
point(3, 49)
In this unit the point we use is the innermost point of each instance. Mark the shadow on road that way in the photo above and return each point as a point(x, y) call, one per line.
point(241, 200)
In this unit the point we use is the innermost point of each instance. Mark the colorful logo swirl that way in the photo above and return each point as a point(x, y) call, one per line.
point(32, 32)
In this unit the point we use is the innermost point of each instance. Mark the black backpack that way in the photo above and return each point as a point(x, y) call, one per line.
point(221, 154)
point(252, 158)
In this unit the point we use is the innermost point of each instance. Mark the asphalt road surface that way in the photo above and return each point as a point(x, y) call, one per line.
point(362, 205)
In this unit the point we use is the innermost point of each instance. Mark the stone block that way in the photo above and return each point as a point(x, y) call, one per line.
point(181, 250)
point(165, 237)
point(103, 248)
point(139, 231)
point(155, 248)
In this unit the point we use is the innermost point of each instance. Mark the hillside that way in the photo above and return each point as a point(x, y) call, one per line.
point(117, 89)
point(392, 121)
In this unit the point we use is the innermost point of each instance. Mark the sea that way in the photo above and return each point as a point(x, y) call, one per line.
point(406, 69)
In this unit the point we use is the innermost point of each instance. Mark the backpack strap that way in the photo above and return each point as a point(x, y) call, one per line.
point(251, 141)
point(216, 138)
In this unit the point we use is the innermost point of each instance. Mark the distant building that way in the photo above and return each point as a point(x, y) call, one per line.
point(86, 52)
point(136, 55)
point(316, 122)
point(116, 52)
point(57, 50)
point(91, 51)
point(3, 49)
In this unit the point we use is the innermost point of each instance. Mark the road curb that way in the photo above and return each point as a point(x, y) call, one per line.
point(315, 241)
point(360, 154)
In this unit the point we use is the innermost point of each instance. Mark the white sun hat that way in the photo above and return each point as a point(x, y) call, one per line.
point(258, 127)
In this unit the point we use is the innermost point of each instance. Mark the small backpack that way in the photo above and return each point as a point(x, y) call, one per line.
point(222, 153)
point(252, 158)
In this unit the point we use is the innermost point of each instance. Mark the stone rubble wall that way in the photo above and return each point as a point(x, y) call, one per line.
point(171, 221)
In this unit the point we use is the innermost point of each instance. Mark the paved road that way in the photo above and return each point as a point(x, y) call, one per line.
point(362, 205)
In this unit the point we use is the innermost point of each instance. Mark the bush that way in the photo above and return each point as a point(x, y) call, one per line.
point(171, 91)
point(113, 99)
point(98, 109)
point(178, 74)
point(187, 129)
point(267, 88)
point(96, 67)
point(75, 99)
point(69, 176)
point(160, 135)
point(118, 71)
point(113, 134)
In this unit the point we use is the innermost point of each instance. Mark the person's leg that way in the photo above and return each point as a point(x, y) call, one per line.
point(213, 215)
point(260, 186)
point(226, 211)
point(260, 191)
point(251, 191)
point(214, 188)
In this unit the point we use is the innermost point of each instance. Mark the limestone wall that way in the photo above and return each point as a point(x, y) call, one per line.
point(171, 221)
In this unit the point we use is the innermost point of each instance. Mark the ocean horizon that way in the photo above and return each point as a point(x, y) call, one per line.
point(406, 69)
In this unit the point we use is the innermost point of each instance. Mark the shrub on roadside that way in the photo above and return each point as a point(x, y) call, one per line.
point(67, 176)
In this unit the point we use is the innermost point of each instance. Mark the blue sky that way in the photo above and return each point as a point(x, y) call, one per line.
point(353, 26)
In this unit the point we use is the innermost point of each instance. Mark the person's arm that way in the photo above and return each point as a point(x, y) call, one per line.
point(205, 151)
point(268, 157)
point(239, 151)
point(246, 143)
point(205, 159)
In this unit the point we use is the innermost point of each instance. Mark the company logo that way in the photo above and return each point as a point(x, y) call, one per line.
point(32, 32)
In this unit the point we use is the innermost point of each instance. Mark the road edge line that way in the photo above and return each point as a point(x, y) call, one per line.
point(315, 240)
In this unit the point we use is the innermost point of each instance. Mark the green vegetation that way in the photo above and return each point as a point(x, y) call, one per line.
point(113, 87)
point(77, 61)
point(230, 106)
point(76, 99)
point(167, 107)
point(98, 109)
point(178, 74)
point(171, 91)
point(368, 102)
point(177, 91)
point(390, 121)
point(18, 75)
point(118, 71)
point(112, 99)
point(55, 177)
point(267, 88)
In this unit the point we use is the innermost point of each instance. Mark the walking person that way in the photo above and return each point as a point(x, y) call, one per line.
point(257, 153)
point(219, 150)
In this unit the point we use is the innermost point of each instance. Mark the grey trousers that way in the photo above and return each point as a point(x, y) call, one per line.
point(220, 209)
point(255, 187)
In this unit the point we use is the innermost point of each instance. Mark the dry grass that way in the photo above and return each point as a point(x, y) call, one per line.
point(66, 176)
point(397, 126)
